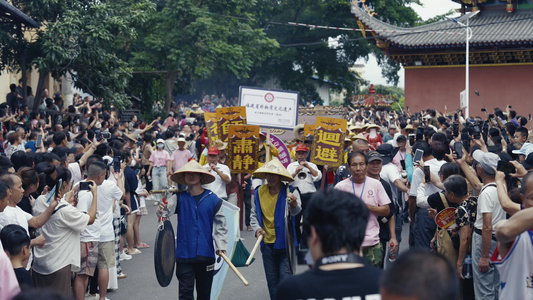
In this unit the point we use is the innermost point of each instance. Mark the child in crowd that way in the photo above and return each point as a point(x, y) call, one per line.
point(17, 245)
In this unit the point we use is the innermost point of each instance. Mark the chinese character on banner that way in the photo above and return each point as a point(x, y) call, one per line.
point(243, 148)
point(227, 116)
point(211, 125)
point(328, 142)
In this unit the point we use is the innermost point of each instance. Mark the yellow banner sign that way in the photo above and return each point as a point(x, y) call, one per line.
point(243, 148)
point(309, 129)
point(331, 123)
point(227, 116)
point(328, 147)
point(211, 125)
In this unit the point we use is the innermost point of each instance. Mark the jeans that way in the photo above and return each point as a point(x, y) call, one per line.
point(276, 264)
point(423, 230)
point(187, 273)
point(487, 284)
point(159, 180)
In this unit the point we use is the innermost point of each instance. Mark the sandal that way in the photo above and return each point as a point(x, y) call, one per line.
point(142, 246)
point(136, 251)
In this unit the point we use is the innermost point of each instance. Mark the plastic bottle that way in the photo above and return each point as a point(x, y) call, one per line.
point(392, 255)
point(467, 267)
point(164, 215)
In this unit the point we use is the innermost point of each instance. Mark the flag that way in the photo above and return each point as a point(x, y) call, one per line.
point(231, 212)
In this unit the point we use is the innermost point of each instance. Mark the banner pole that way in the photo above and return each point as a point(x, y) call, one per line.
point(240, 201)
point(267, 158)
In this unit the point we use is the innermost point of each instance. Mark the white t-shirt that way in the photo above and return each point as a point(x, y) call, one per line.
point(92, 232)
point(15, 215)
point(390, 174)
point(305, 185)
point(218, 186)
point(418, 176)
point(62, 234)
point(108, 192)
point(75, 170)
point(488, 202)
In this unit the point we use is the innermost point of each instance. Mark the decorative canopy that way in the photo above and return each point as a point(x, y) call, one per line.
point(380, 102)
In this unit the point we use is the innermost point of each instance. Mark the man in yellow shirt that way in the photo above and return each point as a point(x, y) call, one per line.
point(268, 219)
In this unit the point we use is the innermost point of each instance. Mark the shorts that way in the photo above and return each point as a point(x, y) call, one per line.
point(89, 258)
point(106, 255)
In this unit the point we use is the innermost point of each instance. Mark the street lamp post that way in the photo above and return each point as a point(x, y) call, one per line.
point(467, 59)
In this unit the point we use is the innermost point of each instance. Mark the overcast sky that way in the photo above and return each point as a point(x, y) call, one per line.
point(429, 9)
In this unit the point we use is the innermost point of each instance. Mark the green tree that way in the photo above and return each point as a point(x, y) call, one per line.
point(81, 37)
point(191, 39)
point(305, 52)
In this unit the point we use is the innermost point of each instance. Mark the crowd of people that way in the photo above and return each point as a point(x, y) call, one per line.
point(74, 185)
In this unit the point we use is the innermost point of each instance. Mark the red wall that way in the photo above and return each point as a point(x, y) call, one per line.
point(498, 86)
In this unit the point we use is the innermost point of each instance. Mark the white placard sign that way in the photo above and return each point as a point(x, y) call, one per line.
point(270, 108)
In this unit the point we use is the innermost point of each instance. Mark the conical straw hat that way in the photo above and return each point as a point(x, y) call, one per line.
point(192, 167)
point(273, 167)
point(220, 145)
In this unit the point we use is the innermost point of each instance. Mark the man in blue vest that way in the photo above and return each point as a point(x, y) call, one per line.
point(200, 222)
point(268, 220)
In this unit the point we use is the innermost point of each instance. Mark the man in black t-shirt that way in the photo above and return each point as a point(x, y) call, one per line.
point(335, 223)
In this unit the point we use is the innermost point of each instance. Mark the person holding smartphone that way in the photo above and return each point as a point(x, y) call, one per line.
point(423, 227)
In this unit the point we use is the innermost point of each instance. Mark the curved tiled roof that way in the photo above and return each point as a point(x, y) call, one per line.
point(493, 27)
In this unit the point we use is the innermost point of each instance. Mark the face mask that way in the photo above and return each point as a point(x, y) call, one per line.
point(160, 146)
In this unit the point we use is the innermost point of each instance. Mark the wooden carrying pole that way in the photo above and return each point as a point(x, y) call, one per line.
point(235, 269)
point(256, 246)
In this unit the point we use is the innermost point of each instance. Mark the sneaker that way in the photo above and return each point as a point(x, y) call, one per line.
point(156, 203)
point(124, 256)
point(121, 275)
point(150, 198)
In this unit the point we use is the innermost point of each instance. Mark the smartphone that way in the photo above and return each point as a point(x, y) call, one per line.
point(106, 135)
point(427, 174)
point(411, 139)
point(418, 155)
point(510, 106)
point(491, 116)
point(458, 148)
point(84, 185)
point(402, 162)
point(116, 164)
point(506, 167)
point(483, 109)
point(39, 142)
point(530, 117)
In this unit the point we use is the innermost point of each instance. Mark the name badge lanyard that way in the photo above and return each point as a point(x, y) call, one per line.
point(362, 191)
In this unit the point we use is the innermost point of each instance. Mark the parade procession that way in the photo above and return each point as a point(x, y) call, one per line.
point(250, 150)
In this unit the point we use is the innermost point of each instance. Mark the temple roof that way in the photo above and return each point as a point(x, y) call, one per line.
point(9, 11)
point(490, 28)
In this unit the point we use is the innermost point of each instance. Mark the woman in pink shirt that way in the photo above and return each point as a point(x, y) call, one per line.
point(160, 165)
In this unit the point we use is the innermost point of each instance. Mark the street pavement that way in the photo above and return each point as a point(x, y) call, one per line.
point(141, 282)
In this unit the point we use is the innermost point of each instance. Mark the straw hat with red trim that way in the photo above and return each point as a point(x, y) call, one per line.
point(273, 167)
point(192, 167)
